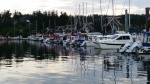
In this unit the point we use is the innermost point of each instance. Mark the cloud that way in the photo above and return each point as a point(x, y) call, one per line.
point(72, 6)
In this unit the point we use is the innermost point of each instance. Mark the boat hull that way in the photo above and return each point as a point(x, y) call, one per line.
point(109, 46)
point(88, 44)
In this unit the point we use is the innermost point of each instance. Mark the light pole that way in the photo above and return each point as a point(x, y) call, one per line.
point(14, 27)
point(36, 26)
point(28, 21)
point(21, 31)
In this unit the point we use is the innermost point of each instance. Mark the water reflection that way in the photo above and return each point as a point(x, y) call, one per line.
point(27, 62)
point(42, 51)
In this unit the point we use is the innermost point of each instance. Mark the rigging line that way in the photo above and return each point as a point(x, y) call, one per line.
point(108, 7)
point(123, 6)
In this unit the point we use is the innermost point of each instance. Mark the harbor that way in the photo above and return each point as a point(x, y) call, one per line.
point(28, 62)
point(75, 42)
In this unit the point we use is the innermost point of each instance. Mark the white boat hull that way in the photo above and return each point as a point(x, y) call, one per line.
point(97, 45)
point(106, 51)
point(88, 44)
point(109, 46)
point(114, 42)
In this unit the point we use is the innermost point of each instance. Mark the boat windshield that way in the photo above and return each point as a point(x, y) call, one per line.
point(113, 37)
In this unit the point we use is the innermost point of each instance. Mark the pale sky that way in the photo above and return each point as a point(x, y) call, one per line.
point(72, 6)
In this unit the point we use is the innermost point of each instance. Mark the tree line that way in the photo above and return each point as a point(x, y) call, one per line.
point(14, 24)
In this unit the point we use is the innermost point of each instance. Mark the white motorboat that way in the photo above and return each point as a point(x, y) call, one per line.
point(46, 40)
point(89, 42)
point(70, 39)
point(92, 39)
point(115, 41)
point(17, 38)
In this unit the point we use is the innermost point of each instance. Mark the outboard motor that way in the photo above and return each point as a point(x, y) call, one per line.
point(83, 44)
point(46, 40)
point(125, 46)
point(136, 45)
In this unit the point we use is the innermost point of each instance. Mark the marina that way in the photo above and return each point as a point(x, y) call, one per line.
point(75, 42)
point(28, 62)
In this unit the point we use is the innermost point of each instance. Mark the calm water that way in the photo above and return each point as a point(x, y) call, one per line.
point(23, 62)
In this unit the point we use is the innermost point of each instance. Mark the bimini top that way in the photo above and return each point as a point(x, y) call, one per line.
point(148, 33)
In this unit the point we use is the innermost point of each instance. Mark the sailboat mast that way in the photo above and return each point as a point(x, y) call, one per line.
point(86, 12)
point(113, 14)
point(14, 27)
point(126, 21)
point(83, 12)
point(101, 15)
point(43, 27)
point(75, 17)
point(36, 26)
point(113, 6)
point(55, 25)
point(129, 13)
point(93, 12)
point(49, 24)
point(79, 14)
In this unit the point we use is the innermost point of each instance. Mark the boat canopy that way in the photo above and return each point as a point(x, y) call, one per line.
point(148, 33)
